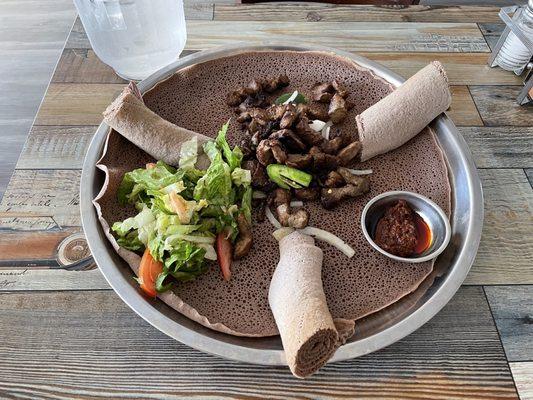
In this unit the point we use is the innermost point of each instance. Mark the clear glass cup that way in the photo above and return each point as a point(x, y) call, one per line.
point(134, 37)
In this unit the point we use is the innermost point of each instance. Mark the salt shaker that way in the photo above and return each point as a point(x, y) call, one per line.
point(514, 55)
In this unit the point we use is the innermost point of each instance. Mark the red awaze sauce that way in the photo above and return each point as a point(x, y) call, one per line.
point(423, 235)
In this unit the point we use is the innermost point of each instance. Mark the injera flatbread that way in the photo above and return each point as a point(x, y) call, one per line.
point(194, 98)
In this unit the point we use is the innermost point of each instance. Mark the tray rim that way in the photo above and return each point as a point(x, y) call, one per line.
point(145, 308)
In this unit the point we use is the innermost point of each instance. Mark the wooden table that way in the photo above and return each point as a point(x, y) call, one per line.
point(67, 334)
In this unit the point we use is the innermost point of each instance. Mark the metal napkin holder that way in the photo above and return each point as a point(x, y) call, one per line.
point(505, 14)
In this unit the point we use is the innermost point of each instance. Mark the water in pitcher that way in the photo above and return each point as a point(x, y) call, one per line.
point(134, 37)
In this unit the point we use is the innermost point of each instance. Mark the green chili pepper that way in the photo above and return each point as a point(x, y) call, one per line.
point(299, 99)
point(286, 177)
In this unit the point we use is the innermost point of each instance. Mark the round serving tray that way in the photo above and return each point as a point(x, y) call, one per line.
point(373, 332)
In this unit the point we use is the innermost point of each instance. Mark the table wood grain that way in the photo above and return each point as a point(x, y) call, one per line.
point(66, 334)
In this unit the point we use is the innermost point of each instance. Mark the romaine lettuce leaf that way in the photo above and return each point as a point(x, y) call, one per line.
point(233, 157)
point(215, 186)
point(246, 204)
point(241, 177)
point(188, 153)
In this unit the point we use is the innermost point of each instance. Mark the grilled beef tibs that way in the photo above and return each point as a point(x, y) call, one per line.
point(244, 240)
point(282, 201)
point(355, 186)
point(293, 135)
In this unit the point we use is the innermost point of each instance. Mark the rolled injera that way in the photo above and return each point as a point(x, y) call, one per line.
point(298, 303)
point(400, 116)
point(161, 139)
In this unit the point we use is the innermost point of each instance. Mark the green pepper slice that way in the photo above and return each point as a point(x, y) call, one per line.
point(287, 177)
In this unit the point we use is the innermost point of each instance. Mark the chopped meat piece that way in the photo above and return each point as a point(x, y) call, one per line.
point(340, 88)
point(259, 176)
point(348, 154)
point(282, 200)
point(324, 162)
point(244, 240)
point(332, 146)
point(316, 111)
point(289, 139)
point(271, 85)
point(254, 87)
point(277, 150)
point(307, 194)
point(308, 135)
point(299, 161)
point(288, 119)
point(330, 197)
point(281, 196)
point(235, 98)
point(260, 207)
point(246, 147)
point(276, 111)
point(322, 92)
point(270, 150)
point(249, 115)
point(337, 109)
point(258, 100)
point(334, 180)
point(266, 130)
point(351, 178)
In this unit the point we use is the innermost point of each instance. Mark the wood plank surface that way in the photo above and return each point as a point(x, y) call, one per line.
point(463, 110)
point(76, 63)
point(529, 173)
point(56, 147)
point(461, 68)
point(497, 106)
point(350, 36)
point(457, 355)
point(523, 377)
point(500, 147)
point(314, 12)
point(44, 193)
point(82, 66)
point(512, 309)
point(76, 104)
point(51, 279)
point(505, 253)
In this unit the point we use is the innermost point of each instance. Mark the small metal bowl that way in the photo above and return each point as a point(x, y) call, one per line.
point(431, 213)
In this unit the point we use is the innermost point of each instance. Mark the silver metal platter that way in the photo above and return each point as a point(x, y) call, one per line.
point(373, 332)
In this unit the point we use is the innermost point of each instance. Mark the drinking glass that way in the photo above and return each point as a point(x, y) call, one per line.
point(134, 37)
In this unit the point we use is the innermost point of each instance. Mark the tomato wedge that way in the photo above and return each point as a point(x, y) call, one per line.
point(149, 270)
point(224, 254)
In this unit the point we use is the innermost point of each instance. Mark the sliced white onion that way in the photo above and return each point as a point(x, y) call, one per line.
point(257, 194)
point(330, 238)
point(360, 171)
point(326, 129)
point(297, 203)
point(290, 99)
point(272, 219)
point(210, 252)
point(282, 232)
point(317, 125)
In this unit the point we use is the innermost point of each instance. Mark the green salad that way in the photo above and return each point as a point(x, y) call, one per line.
point(185, 215)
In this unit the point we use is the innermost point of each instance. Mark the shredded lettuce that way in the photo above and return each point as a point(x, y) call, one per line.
point(233, 157)
point(216, 185)
point(246, 204)
point(241, 177)
point(180, 211)
point(188, 153)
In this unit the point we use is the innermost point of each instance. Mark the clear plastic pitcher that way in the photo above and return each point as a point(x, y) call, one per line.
point(134, 37)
